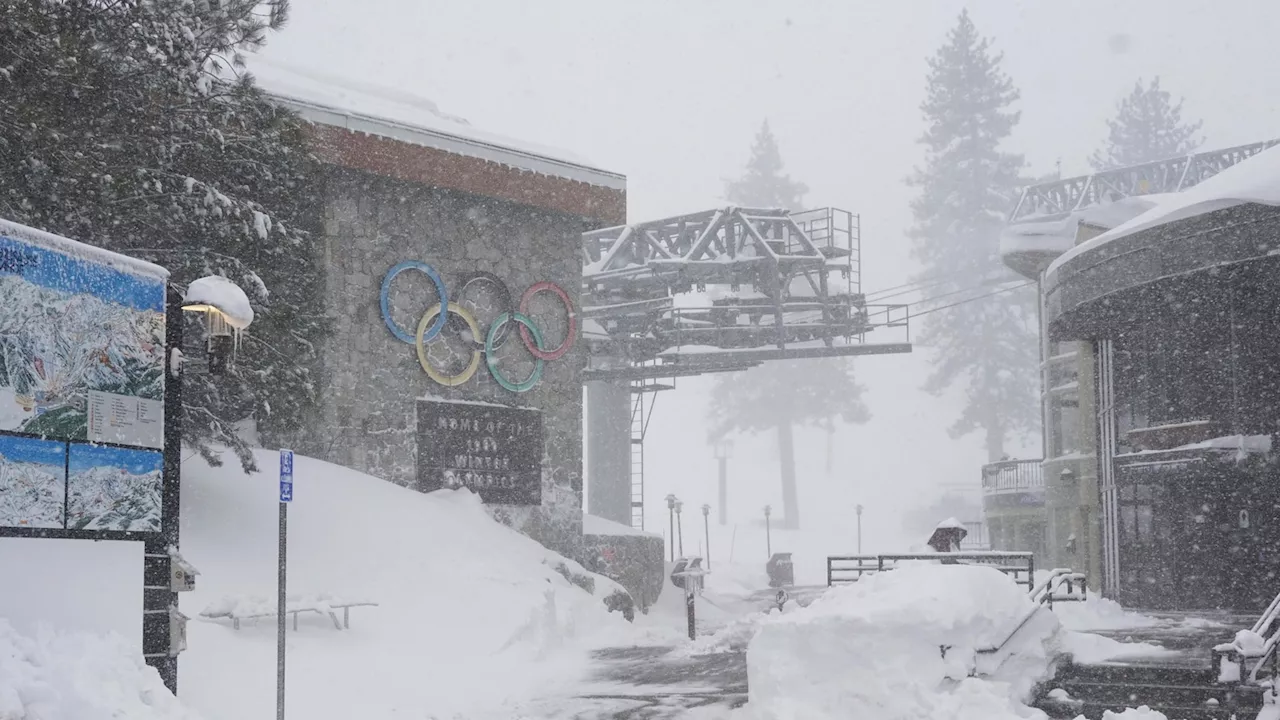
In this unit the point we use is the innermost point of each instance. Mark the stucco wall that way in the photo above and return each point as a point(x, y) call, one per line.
point(371, 380)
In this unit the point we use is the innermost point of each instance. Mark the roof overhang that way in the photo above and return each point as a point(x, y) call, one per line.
point(442, 159)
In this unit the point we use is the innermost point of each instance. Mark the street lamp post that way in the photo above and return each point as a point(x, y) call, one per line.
point(859, 511)
point(768, 536)
point(671, 518)
point(680, 526)
point(724, 449)
point(706, 530)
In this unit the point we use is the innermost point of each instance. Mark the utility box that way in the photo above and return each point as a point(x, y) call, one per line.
point(687, 571)
point(177, 631)
point(182, 574)
point(781, 571)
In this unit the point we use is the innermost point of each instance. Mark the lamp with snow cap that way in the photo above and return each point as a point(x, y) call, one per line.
point(227, 314)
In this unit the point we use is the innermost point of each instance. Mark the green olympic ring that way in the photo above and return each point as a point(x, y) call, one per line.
point(492, 361)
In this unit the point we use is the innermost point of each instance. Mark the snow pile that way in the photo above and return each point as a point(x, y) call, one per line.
point(1099, 613)
point(68, 676)
point(462, 600)
point(902, 645)
point(1141, 713)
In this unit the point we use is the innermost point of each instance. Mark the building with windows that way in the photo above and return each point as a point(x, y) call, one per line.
point(1161, 394)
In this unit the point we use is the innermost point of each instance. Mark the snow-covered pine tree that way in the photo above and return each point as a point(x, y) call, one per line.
point(782, 394)
point(987, 347)
point(1148, 126)
point(123, 124)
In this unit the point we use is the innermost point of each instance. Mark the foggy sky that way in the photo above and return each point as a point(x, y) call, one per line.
point(672, 92)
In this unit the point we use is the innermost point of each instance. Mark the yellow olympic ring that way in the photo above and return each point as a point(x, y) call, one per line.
point(449, 380)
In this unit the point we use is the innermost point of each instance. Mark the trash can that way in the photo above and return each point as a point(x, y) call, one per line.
point(693, 564)
point(780, 570)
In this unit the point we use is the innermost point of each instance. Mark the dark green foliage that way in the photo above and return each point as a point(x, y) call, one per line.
point(123, 124)
point(1148, 126)
point(985, 348)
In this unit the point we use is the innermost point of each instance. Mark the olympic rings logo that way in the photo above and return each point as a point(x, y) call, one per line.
point(436, 317)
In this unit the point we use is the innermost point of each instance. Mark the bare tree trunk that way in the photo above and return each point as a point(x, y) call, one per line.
point(995, 436)
point(787, 456)
point(831, 435)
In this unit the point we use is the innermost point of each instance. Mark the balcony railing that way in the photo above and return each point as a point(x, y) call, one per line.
point(1012, 476)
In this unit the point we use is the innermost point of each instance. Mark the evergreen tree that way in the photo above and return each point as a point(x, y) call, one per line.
point(779, 395)
point(124, 125)
point(986, 346)
point(1148, 126)
point(764, 185)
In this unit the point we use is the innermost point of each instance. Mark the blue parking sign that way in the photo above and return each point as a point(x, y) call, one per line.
point(286, 476)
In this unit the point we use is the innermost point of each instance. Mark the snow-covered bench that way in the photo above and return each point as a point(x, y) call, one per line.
point(241, 607)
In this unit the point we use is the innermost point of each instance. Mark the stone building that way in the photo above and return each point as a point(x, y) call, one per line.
point(492, 219)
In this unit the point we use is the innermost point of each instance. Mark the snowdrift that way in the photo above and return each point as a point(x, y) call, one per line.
point(70, 676)
point(875, 649)
point(471, 614)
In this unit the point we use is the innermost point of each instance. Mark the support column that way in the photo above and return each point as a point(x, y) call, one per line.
point(609, 450)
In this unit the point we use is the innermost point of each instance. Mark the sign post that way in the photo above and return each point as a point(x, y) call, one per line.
point(286, 497)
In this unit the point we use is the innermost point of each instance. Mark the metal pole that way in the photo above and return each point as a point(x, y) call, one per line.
point(768, 534)
point(724, 490)
point(680, 530)
point(280, 611)
point(706, 532)
point(688, 606)
point(671, 517)
point(859, 509)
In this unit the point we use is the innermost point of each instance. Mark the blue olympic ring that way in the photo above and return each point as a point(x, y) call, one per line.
point(384, 297)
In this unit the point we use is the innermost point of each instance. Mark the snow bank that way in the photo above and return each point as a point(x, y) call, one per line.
point(69, 676)
point(1099, 613)
point(875, 649)
point(1141, 713)
point(471, 615)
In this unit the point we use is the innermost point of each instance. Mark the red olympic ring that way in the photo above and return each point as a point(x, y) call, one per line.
point(558, 352)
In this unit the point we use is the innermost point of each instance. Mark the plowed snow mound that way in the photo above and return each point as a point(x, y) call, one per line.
point(471, 614)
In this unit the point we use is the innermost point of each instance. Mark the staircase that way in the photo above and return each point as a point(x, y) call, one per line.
point(1181, 693)
point(638, 422)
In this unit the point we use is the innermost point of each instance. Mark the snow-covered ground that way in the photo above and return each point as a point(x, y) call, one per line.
point(472, 616)
point(476, 621)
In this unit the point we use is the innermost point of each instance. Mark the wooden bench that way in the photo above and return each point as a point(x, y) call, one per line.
point(238, 608)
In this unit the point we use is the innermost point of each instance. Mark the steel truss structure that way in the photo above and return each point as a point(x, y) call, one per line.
point(793, 284)
point(1062, 197)
point(767, 284)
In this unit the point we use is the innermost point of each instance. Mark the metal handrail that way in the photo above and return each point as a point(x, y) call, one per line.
point(1012, 476)
point(1047, 591)
point(1013, 563)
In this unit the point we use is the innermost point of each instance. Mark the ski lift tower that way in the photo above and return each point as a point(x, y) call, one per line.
point(721, 290)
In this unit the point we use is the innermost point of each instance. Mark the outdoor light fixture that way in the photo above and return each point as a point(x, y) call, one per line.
point(227, 314)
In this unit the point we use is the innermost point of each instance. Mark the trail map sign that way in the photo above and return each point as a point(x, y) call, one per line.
point(493, 450)
point(82, 386)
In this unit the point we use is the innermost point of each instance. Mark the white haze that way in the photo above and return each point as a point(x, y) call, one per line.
point(671, 93)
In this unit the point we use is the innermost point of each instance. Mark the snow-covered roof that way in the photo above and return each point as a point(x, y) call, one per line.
point(218, 293)
point(386, 112)
point(68, 246)
point(1256, 180)
point(1058, 235)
